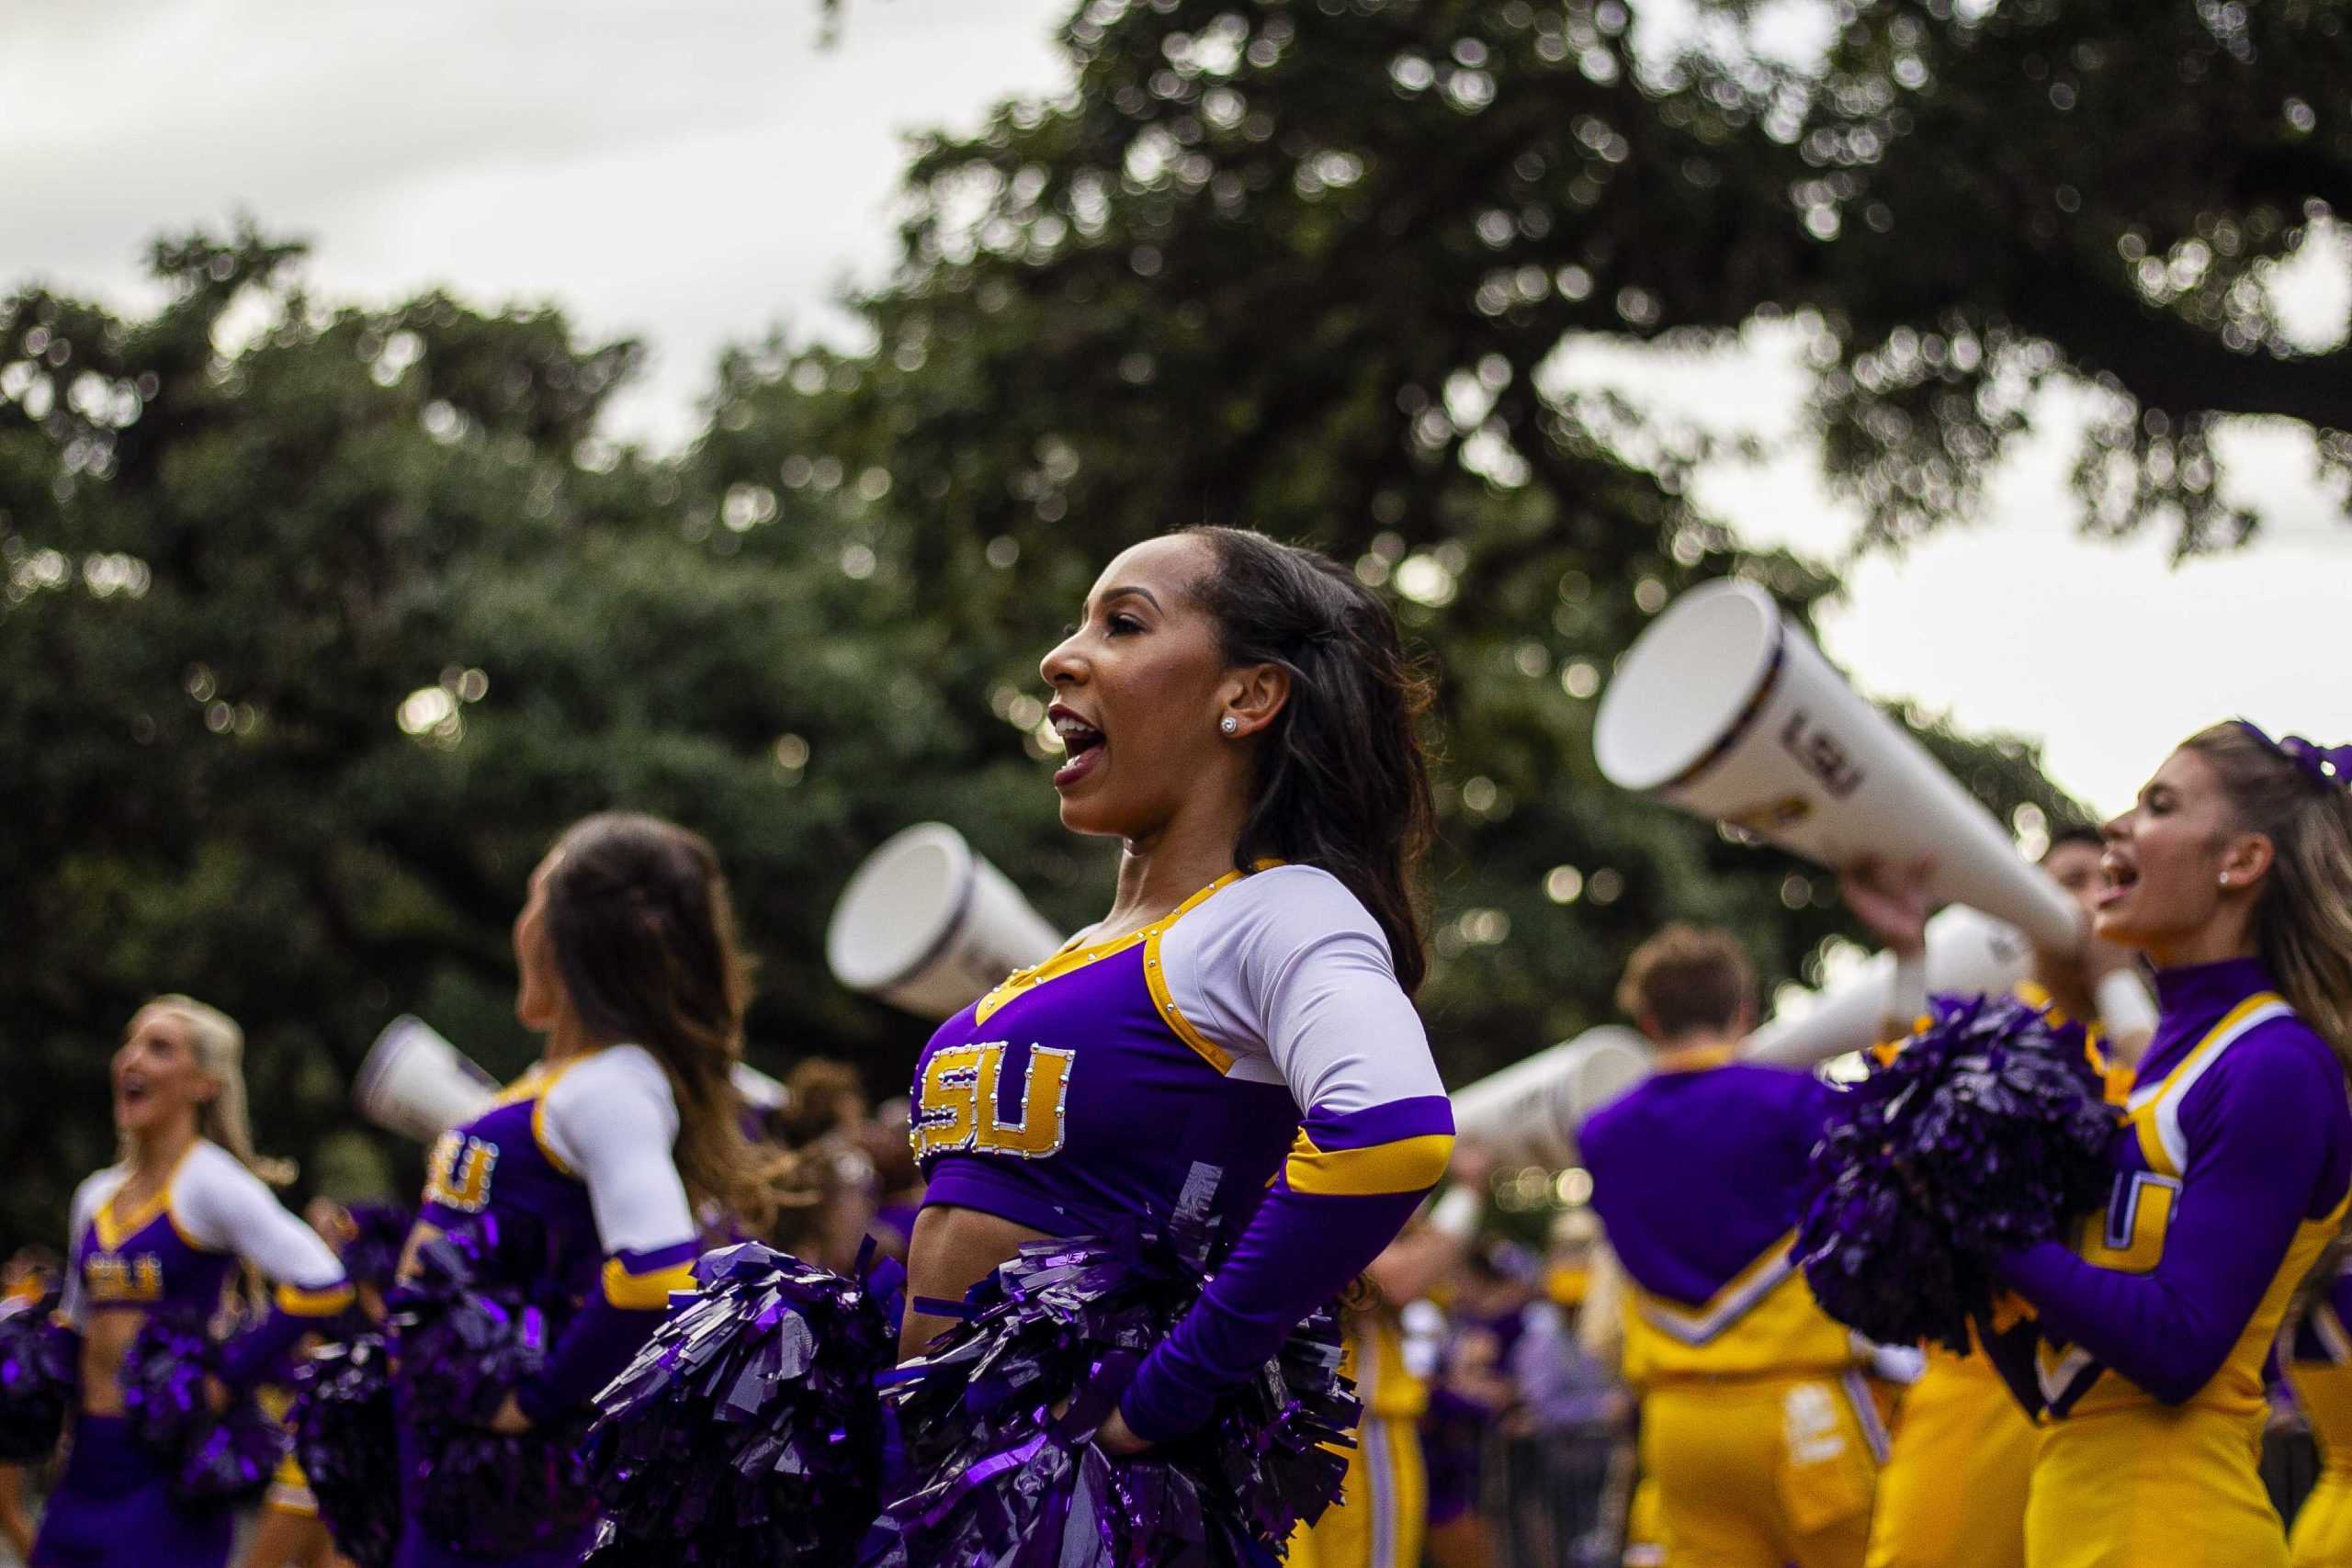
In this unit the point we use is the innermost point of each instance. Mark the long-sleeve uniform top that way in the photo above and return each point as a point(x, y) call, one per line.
point(2232, 1171)
point(178, 1251)
point(1696, 1174)
point(578, 1154)
point(1252, 1053)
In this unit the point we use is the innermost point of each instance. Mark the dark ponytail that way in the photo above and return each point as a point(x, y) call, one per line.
point(644, 935)
point(1342, 783)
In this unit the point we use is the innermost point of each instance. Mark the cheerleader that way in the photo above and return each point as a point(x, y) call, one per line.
point(2318, 1358)
point(1953, 1492)
point(165, 1230)
point(28, 1283)
point(1758, 1432)
point(1381, 1518)
point(628, 967)
point(291, 1533)
point(2233, 872)
point(1238, 1032)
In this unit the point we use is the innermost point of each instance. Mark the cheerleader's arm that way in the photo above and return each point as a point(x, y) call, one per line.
point(226, 1208)
point(2260, 1144)
point(613, 1120)
point(1304, 970)
point(88, 1198)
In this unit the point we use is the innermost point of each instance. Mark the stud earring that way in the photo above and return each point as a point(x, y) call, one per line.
point(1228, 724)
point(2225, 879)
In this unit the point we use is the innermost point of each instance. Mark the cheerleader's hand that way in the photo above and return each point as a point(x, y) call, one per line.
point(1891, 898)
point(510, 1421)
point(1116, 1437)
point(216, 1395)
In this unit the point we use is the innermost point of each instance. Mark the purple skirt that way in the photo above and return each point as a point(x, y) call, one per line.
point(114, 1508)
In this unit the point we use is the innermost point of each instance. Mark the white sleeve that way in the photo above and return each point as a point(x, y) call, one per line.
point(95, 1190)
point(614, 1121)
point(226, 1208)
point(1288, 972)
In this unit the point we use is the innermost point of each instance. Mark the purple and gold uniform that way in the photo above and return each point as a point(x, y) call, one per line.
point(2319, 1365)
point(1959, 1462)
point(1382, 1517)
point(1251, 1051)
point(580, 1153)
point(178, 1252)
point(2231, 1174)
point(1757, 1429)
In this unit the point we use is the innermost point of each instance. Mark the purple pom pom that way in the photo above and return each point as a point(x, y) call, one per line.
point(348, 1446)
point(220, 1457)
point(379, 1235)
point(1987, 1133)
point(39, 1370)
point(464, 1345)
point(747, 1433)
point(997, 1476)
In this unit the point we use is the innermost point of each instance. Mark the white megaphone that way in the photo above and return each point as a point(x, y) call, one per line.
point(1529, 1112)
point(1969, 953)
point(1725, 709)
point(417, 1084)
point(927, 924)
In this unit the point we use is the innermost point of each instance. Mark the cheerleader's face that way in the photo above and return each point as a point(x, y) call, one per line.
point(538, 991)
point(1141, 685)
point(157, 1078)
point(2075, 868)
point(2161, 875)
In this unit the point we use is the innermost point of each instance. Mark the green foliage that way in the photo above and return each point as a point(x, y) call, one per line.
point(325, 633)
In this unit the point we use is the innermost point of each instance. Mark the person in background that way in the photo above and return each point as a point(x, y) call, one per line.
point(2317, 1353)
point(289, 1532)
point(898, 1179)
point(824, 1124)
point(1470, 1395)
point(628, 967)
point(1757, 1429)
point(1961, 1456)
point(166, 1231)
point(1381, 1518)
point(1563, 1385)
point(28, 1283)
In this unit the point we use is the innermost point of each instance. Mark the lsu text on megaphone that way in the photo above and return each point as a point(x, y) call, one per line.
point(1725, 709)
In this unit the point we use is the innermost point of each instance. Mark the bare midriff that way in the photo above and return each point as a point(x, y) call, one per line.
point(952, 1251)
point(105, 1340)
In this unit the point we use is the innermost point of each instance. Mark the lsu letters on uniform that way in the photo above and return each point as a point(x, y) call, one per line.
point(1758, 1432)
point(1251, 1053)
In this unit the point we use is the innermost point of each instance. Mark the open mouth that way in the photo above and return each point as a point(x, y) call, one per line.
point(131, 1089)
point(2117, 878)
point(1082, 745)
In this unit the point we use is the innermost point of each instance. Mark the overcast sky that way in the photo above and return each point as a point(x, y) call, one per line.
point(693, 174)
